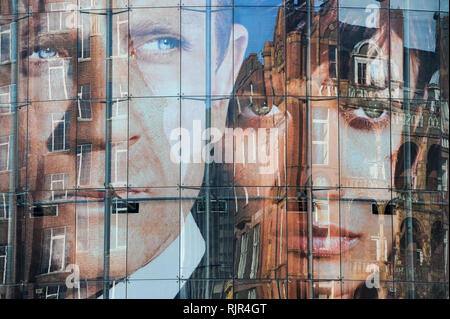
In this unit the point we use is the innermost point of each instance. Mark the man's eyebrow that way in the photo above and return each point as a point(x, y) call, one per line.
point(153, 27)
point(143, 31)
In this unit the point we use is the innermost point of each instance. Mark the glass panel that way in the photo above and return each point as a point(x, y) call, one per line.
point(366, 230)
point(216, 153)
point(155, 223)
point(365, 143)
point(260, 289)
point(364, 53)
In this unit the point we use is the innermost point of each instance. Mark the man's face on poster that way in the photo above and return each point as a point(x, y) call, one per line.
point(159, 85)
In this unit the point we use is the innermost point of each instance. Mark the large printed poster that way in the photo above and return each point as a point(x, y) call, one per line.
point(224, 149)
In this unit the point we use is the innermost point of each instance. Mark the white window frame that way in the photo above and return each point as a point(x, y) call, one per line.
point(4, 212)
point(83, 38)
point(366, 62)
point(115, 230)
point(256, 250)
point(118, 104)
point(61, 10)
point(377, 239)
point(6, 94)
point(118, 47)
point(4, 256)
point(117, 149)
point(52, 239)
point(80, 163)
point(243, 255)
point(47, 295)
point(336, 60)
point(80, 97)
point(6, 29)
point(3, 144)
point(327, 138)
point(55, 123)
point(324, 210)
point(63, 78)
point(444, 175)
point(53, 181)
point(78, 249)
point(369, 62)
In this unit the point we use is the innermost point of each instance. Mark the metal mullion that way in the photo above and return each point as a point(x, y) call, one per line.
point(108, 146)
point(309, 156)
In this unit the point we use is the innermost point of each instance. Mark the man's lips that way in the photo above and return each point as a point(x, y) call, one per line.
point(327, 240)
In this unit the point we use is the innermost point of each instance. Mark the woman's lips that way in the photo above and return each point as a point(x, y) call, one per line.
point(328, 240)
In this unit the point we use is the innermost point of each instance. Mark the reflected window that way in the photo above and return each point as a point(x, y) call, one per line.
point(120, 30)
point(3, 206)
point(404, 164)
point(52, 292)
point(57, 184)
point(60, 132)
point(435, 166)
point(82, 227)
point(45, 210)
point(57, 89)
point(84, 37)
point(55, 249)
point(332, 61)
point(84, 102)
point(57, 17)
point(84, 159)
point(119, 163)
point(5, 43)
point(255, 253)
point(320, 128)
point(3, 255)
point(118, 225)
point(119, 108)
point(369, 64)
point(4, 153)
point(5, 99)
point(379, 248)
point(243, 255)
point(324, 290)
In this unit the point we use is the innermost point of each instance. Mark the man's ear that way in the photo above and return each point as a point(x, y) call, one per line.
point(229, 68)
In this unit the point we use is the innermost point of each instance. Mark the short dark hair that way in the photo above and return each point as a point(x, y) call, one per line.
point(223, 27)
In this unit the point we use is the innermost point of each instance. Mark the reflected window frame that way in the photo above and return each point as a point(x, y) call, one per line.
point(3, 260)
point(5, 32)
point(5, 99)
point(4, 150)
point(84, 166)
point(49, 238)
point(84, 103)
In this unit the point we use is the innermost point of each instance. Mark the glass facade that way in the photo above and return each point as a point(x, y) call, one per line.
point(272, 149)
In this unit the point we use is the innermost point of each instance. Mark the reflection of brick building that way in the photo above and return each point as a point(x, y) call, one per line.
point(53, 234)
point(261, 228)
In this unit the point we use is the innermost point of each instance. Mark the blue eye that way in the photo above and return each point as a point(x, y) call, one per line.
point(46, 53)
point(168, 43)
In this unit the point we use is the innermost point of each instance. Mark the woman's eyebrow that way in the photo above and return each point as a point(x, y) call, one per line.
point(56, 39)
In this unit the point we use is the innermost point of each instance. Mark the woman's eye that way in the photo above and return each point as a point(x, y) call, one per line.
point(44, 53)
point(373, 113)
point(364, 118)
